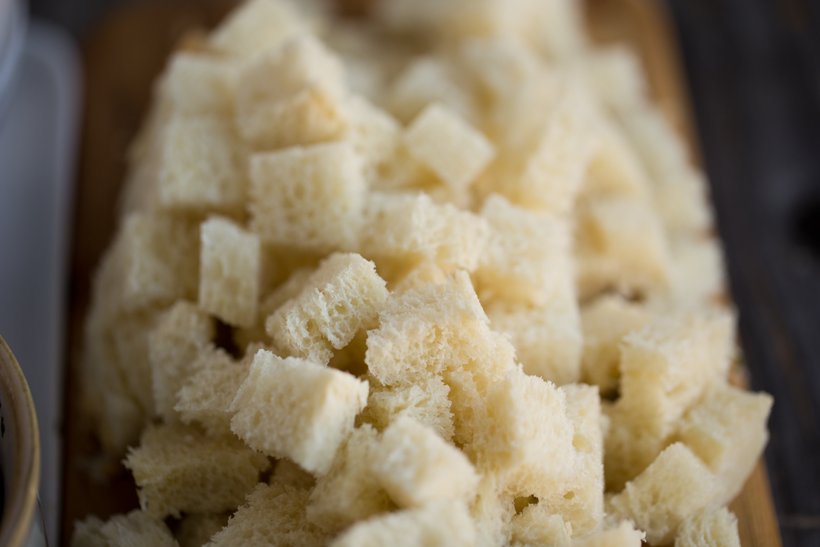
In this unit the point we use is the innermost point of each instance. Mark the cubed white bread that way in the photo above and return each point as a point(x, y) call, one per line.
point(156, 260)
point(727, 430)
point(207, 393)
point(195, 84)
point(425, 401)
point(580, 500)
point(134, 528)
point(447, 145)
point(272, 516)
point(683, 203)
point(181, 335)
point(201, 166)
point(527, 256)
point(439, 524)
point(441, 327)
point(616, 73)
point(292, 96)
point(197, 529)
point(416, 466)
point(698, 281)
point(307, 197)
point(374, 134)
point(412, 228)
point(429, 80)
point(344, 295)
point(620, 244)
point(288, 473)
point(547, 174)
point(709, 529)
point(547, 339)
point(625, 535)
point(558, 29)
point(500, 65)
point(229, 271)
point(129, 338)
point(179, 469)
point(524, 432)
point(675, 486)
point(492, 511)
point(605, 321)
point(665, 368)
point(423, 274)
point(350, 491)
point(535, 526)
point(259, 26)
point(615, 168)
point(292, 408)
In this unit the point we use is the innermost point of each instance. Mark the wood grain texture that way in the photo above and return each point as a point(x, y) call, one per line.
point(123, 57)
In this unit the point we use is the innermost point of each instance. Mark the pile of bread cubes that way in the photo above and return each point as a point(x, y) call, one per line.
point(440, 276)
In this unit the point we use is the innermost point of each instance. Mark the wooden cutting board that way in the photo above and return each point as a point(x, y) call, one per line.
point(122, 59)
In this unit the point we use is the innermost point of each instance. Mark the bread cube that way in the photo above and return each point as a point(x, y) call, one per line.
point(536, 526)
point(272, 515)
point(207, 394)
point(605, 321)
point(683, 204)
point(134, 528)
point(375, 136)
point(287, 473)
point(229, 272)
point(675, 486)
point(197, 529)
point(439, 524)
point(547, 339)
point(182, 334)
point(413, 229)
point(698, 280)
point(201, 166)
point(625, 535)
point(309, 198)
point(296, 409)
point(418, 467)
point(615, 168)
point(197, 85)
point(727, 430)
point(418, 278)
point(292, 96)
point(452, 149)
point(500, 64)
point(259, 26)
point(129, 340)
point(616, 73)
point(344, 295)
point(425, 401)
point(557, 30)
point(709, 529)
point(492, 511)
point(350, 491)
point(180, 469)
point(523, 431)
point(527, 256)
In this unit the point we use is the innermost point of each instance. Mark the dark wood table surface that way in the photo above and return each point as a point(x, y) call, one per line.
point(753, 69)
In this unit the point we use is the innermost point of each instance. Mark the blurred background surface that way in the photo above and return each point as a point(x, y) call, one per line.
point(753, 71)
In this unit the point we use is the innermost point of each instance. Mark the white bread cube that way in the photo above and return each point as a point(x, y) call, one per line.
point(197, 529)
point(130, 343)
point(615, 168)
point(676, 485)
point(196, 85)
point(201, 166)
point(727, 430)
point(625, 535)
point(292, 96)
point(605, 321)
point(258, 26)
point(450, 147)
point(287, 473)
point(416, 466)
point(310, 198)
point(425, 401)
point(527, 256)
point(683, 203)
point(134, 528)
point(375, 136)
point(547, 339)
point(492, 511)
point(524, 432)
point(439, 524)
point(179, 469)
point(229, 272)
point(500, 64)
point(344, 295)
point(658, 143)
point(536, 526)
point(709, 529)
point(296, 409)
point(419, 277)
point(698, 280)
point(207, 394)
point(616, 73)
point(182, 334)
point(350, 491)
point(271, 516)
point(413, 229)
point(557, 29)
